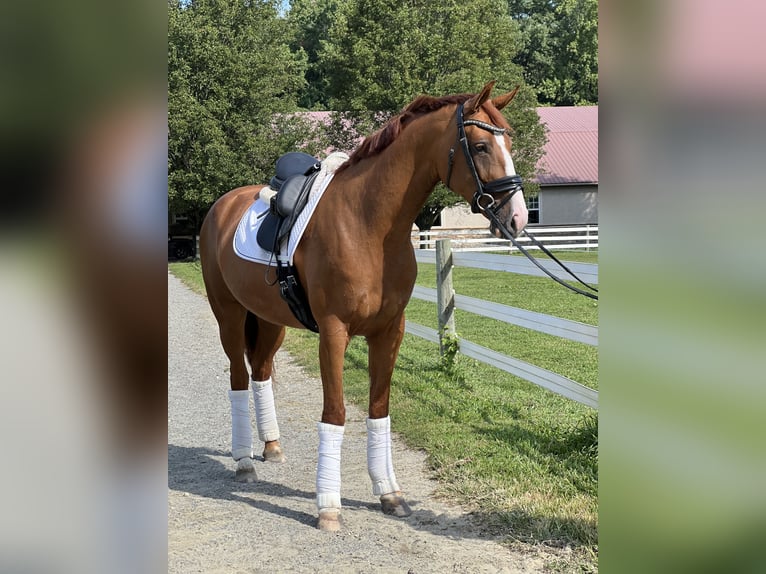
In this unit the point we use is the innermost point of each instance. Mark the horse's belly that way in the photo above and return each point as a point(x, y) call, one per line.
point(249, 286)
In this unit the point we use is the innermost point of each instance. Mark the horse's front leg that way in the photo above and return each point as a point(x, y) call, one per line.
point(383, 350)
point(333, 341)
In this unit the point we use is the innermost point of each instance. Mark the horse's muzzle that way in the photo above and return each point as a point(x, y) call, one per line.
point(513, 215)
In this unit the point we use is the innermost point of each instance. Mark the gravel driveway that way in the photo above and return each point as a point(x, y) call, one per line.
point(218, 525)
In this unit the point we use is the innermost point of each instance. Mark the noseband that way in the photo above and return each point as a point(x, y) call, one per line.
point(483, 199)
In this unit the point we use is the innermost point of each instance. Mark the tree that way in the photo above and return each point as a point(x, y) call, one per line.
point(576, 67)
point(379, 55)
point(232, 80)
point(559, 51)
point(310, 21)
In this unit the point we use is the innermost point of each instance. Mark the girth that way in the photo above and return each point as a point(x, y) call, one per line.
point(292, 292)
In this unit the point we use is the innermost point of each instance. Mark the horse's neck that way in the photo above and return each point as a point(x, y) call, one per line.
point(396, 183)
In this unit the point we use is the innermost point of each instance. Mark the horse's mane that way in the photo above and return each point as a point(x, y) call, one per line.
point(381, 139)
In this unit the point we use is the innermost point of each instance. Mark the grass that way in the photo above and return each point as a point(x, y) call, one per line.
point(523, 459)
point(574, 360)
point(190, 273)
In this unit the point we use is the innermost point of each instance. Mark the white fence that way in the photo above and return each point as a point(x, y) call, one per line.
point(579, 237)
point(447, 301)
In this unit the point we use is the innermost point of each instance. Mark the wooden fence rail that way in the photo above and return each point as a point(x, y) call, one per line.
point(579, 237)
point(447, 301)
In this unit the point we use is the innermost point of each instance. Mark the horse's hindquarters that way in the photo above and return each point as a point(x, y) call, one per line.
point(228, 277)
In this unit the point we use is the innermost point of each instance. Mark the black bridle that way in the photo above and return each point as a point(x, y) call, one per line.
point(484, 200)
point(509, 184)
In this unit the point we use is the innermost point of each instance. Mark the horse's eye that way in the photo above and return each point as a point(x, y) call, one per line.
point(480, 147)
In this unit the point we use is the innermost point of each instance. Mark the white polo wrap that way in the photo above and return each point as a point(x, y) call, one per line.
point(328, 467)
point(379, 461)
point(241, 429)
point(265, 414)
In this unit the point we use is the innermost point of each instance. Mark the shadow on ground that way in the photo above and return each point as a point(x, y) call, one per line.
point(198, 471)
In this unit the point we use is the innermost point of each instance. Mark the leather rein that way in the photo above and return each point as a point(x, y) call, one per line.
point(484, 202)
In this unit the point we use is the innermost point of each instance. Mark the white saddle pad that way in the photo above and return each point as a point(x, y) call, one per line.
point(245, 244)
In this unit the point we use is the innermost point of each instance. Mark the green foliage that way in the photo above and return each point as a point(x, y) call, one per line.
point(310, 21)
point(368, 59)
point(380, 55)
point(231, 79)
point(366, 54)
point(559, 52)
point(450, 345)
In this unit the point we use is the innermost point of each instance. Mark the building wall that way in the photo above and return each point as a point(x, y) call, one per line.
point(559, 205)
point(460, 216)
point(567, 205)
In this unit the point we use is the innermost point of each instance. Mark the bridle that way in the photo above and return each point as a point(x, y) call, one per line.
point(509, 184)
point(484, 201)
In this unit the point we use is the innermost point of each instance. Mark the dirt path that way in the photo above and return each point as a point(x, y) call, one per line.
point(218, 525)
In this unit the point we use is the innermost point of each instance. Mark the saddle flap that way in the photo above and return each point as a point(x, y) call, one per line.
point(289, 164)
point(290, 194)
point(267, 232)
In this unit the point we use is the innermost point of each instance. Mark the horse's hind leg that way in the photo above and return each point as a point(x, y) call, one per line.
point(262, 340)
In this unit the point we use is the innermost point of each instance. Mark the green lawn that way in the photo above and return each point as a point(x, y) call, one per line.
point(524, 459)
point(190, 273)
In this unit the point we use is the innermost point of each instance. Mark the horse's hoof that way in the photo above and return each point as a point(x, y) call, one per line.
point(395, 505)
point(273, 454)
point(330, 520)
point(245, 471)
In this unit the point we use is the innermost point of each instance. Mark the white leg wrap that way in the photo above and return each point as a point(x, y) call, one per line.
point(241, 429)
point(328, 468)
point(265, 414)
point(379, 462)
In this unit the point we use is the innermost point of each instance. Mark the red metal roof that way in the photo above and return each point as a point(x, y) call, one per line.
point(571, 153)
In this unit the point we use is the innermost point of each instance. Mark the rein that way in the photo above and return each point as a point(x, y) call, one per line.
point(485, 203)
point(507, 234)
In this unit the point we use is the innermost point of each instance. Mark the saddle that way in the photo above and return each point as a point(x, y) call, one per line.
point(295, 174)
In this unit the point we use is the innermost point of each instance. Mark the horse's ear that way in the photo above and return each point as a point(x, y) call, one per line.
point(474, 103)
point(501, 101)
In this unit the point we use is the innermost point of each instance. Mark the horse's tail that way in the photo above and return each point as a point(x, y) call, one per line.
point(251, 333)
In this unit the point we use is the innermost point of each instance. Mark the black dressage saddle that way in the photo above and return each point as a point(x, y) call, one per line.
point(296, 172)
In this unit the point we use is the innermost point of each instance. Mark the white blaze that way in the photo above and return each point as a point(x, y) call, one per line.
point(509, 169)
point(518, 212)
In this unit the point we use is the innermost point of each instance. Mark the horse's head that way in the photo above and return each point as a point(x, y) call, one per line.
point(485, 175)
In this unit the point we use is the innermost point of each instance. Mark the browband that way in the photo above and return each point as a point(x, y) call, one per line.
point(485, 126)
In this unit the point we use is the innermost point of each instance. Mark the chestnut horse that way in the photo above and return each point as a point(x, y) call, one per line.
point(357, 266)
